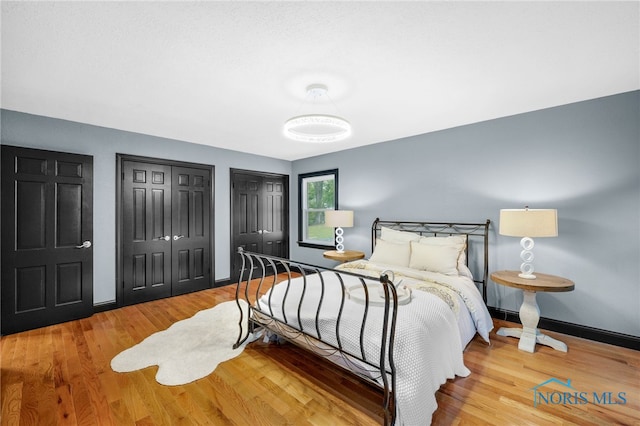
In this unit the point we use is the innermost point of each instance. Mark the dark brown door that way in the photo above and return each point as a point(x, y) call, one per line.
point(165, 230)
point(259, 216)
point(47, 233)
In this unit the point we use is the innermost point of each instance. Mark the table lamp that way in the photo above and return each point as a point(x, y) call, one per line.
point(339, 219)
point(528, 223)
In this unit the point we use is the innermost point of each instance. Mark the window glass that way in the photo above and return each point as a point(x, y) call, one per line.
point(318, 192)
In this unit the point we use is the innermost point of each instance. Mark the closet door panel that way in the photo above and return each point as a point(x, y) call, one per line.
point(260, 218)
point(146, 211)
point(191, 218)
point(275, 217)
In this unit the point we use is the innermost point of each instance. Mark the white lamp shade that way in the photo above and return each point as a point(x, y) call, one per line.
point(338, 218)
point(529, 222)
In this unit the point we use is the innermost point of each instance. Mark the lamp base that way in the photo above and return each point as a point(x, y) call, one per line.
point(339, 240)
point(527, 276)
point(526, 268)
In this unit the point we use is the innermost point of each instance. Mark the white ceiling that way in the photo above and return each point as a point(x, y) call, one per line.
point(228, 74)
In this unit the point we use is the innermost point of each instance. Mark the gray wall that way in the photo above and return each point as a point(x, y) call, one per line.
point(582, 159)
point(59, 135)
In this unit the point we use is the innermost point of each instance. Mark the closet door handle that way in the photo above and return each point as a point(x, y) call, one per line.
point(84, 245)
point(177, 237)
point(166, 238)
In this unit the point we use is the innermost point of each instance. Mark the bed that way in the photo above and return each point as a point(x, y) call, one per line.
point(400, 319)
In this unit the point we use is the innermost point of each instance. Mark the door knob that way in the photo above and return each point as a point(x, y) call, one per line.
point(166, 238)
point(177, 237)
point(84, 245)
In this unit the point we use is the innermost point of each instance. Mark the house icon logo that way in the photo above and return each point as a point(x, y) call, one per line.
point(568, 395)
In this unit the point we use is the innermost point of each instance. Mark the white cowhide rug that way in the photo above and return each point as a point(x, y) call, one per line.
point(190, 349)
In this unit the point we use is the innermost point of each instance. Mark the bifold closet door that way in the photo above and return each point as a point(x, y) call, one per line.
point(166, 230)
point(260, 218)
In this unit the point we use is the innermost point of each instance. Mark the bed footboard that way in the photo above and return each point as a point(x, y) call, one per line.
point(309, 305)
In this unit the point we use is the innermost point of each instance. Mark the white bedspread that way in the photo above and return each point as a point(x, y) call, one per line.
point(427, 351)
point(463, 286)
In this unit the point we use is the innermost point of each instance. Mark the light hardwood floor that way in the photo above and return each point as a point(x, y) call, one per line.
point(61, 375)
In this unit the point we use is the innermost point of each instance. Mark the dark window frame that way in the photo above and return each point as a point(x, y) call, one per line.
point(301, 204)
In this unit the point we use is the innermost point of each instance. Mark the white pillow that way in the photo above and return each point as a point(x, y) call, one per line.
point(391, 253)
point(394, 236)
point(438, 258)
point(458, 241)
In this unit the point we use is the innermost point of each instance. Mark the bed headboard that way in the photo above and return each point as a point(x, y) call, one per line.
point(477, 248)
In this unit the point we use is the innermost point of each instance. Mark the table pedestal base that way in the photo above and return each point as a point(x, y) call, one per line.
point(529, 334)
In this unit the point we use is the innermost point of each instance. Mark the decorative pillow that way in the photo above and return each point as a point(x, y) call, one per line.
point(391, 253)
point(458, 241)
point(438, 258)
point(394, 236)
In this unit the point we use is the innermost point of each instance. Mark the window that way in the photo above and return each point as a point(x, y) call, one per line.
point(317, 193)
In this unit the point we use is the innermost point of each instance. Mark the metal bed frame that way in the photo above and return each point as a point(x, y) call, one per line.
point(259, 272)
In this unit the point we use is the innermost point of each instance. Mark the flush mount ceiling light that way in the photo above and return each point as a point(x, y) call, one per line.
point(317, 127)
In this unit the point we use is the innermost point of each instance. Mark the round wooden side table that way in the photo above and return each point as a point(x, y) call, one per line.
point(345, 256)
point(529, 334)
